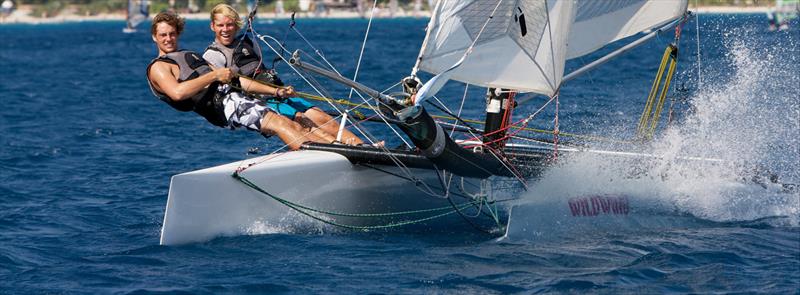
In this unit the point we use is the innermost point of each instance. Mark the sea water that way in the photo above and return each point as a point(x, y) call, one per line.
point(86, 153)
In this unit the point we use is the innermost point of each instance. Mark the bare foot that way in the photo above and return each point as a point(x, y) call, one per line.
point(352, 142)
point(379, 144)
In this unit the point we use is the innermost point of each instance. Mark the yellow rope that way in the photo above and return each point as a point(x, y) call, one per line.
point(662, 99)
point(648, 108)
point(649, 119)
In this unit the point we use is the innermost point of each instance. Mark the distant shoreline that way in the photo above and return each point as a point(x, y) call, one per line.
point(23, 17)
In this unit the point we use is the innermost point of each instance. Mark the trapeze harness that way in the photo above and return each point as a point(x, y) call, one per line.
point(208, 102)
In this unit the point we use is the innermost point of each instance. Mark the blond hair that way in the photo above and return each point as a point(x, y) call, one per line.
point(227, 11)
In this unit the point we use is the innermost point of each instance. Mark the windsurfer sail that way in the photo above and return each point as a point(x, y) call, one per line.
point(138, 11)
point(786, 10)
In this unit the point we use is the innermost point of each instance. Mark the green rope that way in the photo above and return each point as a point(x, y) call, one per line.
point(304, 210)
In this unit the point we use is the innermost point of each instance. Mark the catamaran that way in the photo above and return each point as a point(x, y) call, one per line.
point(434, 178)
point(137, 12)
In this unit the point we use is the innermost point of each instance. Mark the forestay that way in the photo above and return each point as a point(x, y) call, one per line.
point(525, 44)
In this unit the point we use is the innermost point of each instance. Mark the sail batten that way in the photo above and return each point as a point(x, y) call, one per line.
point(525, 44)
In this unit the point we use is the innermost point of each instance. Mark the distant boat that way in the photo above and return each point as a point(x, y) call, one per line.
point(304, 5)
point(138, 11)
point(786, 10)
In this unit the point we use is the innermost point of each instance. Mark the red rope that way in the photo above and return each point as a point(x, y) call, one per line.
point(507, 115)
point(507, 136)
point(678, 30)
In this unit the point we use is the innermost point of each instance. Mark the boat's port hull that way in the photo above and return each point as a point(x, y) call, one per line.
point(208, 203)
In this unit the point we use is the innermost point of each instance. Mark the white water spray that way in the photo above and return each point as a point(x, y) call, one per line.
point(747, 116)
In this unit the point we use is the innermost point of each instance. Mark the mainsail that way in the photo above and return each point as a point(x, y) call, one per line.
point(138, 11)
point(525, 43)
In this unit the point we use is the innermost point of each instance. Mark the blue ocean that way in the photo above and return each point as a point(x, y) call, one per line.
point(87, 152)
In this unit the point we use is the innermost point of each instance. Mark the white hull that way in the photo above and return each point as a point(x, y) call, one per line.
point(208, 203)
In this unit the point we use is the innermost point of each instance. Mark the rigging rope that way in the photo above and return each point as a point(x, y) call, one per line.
point(310, 212)
point(453, 117)
point(278, 58)
point(458, 210)
point(461, 107)
point(363, 132)
point(697, 38)
point(555, 130)
point(363, 44)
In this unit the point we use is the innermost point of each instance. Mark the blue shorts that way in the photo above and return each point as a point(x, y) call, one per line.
point(290, 106)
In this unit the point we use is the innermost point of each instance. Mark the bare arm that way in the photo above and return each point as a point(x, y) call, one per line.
point(251, 86)
point(163, 78)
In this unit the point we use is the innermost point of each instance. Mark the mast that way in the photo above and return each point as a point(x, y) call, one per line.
point(499, 104)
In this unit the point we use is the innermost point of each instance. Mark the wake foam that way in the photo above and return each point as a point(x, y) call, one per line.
point(292, 222)
point(746, 116)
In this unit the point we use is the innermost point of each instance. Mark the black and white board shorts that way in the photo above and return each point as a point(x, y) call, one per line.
point(243, 111)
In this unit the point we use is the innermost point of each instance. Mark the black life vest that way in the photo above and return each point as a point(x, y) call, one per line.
point(242, 56)
point(207, 102)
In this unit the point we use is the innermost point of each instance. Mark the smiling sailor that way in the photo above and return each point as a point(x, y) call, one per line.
point(185, 81)
point(240, 54)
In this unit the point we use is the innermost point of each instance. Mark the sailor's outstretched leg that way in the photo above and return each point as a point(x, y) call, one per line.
point(330, 126)
point(311, 126)
point(287, 130)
